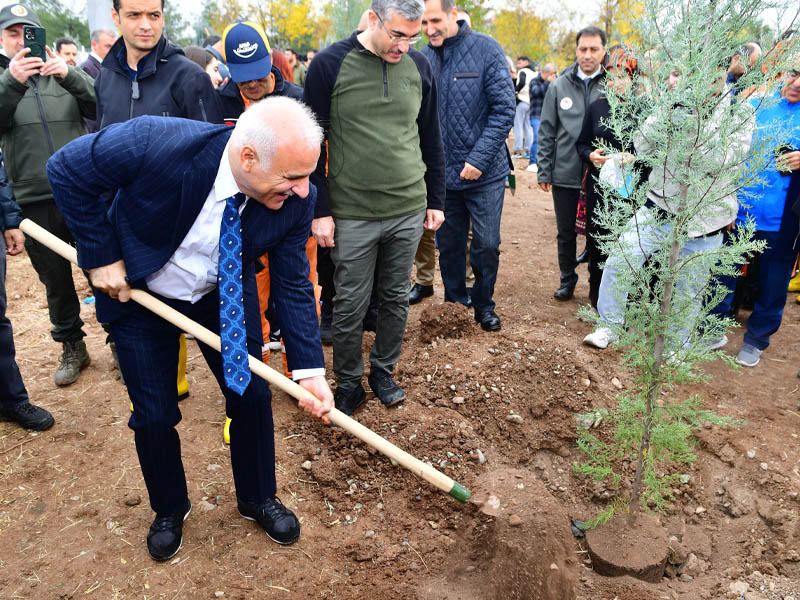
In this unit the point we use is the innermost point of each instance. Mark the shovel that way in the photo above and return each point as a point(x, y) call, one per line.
point(416, 466)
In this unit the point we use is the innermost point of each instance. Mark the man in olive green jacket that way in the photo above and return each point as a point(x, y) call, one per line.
point(42, 106)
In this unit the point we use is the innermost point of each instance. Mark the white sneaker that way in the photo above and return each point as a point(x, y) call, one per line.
point(532, 168)
point(600, 338)
point(517, 154)
point(719, 343)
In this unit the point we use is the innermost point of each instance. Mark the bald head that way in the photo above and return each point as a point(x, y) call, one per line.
point(273, 149)
point(274, 122)
point(549, 72)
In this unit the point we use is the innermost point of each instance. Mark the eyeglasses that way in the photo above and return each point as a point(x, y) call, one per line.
point(398, 39)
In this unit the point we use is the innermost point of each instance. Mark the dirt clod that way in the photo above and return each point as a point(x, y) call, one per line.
point(448, 320)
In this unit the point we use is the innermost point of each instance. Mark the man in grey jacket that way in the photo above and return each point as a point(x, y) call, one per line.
point(560, 167)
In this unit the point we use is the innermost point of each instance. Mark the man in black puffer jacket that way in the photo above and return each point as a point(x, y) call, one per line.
point(144, 74)
point(476, 110)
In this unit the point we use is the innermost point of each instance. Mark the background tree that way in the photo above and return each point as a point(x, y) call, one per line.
point(520, 32)
point(176, 29)
point(288, 23)
point(217, 15)
point(343, 16)
point(619, 18)
point(61, 21)
point(478, 11)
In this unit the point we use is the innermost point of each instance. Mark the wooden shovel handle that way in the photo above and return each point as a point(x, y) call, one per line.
point(416, 466)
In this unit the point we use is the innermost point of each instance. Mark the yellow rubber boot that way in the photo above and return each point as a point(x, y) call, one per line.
point(226, 431)
point(183, 384)
point(794, 283)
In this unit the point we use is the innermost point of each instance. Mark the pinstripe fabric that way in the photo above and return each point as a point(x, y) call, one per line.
point(147, 347)
point(161, 170)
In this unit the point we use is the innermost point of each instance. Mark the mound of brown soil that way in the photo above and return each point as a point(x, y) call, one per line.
point(446, 320)
point(518, 545)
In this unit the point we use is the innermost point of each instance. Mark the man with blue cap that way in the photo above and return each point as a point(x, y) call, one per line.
point(253, 76)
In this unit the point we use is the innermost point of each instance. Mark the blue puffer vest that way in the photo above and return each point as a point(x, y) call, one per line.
point(476, 105)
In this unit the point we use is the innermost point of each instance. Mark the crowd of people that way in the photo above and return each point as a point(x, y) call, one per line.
point(287, 204)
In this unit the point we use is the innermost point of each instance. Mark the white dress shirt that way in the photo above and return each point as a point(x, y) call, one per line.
point(583, 75)
point(191, 272)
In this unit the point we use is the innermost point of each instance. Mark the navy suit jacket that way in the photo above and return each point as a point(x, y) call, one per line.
point(162, 170)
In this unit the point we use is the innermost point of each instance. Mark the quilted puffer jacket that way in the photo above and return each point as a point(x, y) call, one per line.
point(476, 105)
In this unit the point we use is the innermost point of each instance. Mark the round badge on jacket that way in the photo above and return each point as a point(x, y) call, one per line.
point(19, 11)
point(566, 103)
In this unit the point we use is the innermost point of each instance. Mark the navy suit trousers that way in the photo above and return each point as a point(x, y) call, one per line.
point(147, 347)
point(12, 390)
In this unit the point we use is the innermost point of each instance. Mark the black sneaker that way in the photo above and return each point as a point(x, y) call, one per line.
point(166, 533)
point(279, 522)
point(382, 385)
point(28, 416)
point(348, 400)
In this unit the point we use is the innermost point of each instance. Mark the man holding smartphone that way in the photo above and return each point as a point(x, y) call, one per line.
point(42, 106)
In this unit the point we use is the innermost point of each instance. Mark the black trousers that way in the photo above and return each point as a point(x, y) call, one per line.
point(593, 231)
point(12, 390)
point(565, 205)
point(55, 272)
point(147, 347)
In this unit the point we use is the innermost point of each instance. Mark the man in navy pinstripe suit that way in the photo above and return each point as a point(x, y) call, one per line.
point(172, 178)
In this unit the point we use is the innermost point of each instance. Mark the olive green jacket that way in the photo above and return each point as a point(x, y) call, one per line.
point(36, 119)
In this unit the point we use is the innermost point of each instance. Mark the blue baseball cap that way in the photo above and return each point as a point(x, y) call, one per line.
point(247, 51)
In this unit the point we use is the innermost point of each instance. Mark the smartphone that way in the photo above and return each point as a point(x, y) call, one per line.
point(35, 39)
point(779, 152)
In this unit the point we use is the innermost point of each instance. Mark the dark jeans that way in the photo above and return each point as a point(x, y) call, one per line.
point(147, 347)
point(565, 205)
point(535, 121)
point(12, 390)
point(55, 272)
point(483, 206)
point(775, 269)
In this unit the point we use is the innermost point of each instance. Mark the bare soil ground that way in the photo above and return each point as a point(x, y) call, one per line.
point(493, 411)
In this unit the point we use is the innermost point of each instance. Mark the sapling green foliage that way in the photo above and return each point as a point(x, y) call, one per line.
point(695, 154)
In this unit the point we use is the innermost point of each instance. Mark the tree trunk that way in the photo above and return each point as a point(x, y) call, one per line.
point(655, 390)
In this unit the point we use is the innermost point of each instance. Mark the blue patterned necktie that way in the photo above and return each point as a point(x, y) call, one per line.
point(231, 298)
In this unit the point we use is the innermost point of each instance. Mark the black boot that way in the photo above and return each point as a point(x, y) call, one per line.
point(566, 291)
point(418, 292)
